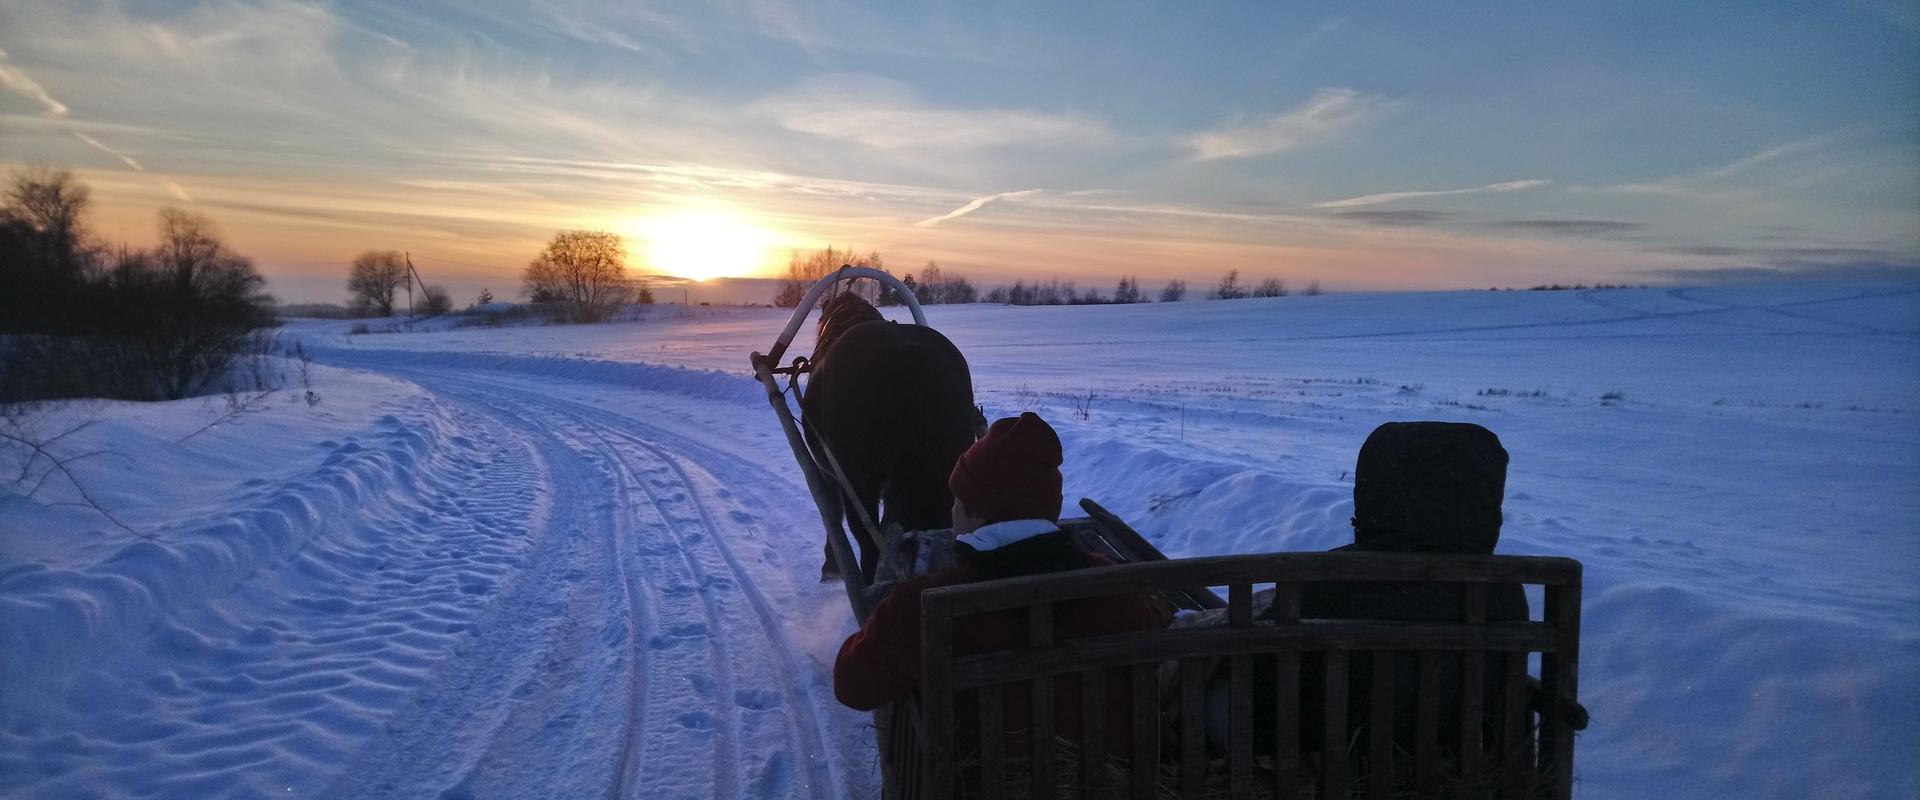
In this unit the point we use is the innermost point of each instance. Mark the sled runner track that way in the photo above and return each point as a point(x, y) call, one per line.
point(640, 629)
point(726, 745)
point(665, 473)
point(808, 724)
point(640, 632)
point(805, 722)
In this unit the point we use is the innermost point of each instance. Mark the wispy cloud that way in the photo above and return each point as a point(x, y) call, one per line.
point(171, 187)
point(976, 205)
point(1397, 218)
point(1570, 227)
point(12, 78)
point(889, 115)
point(1388, 197)
point(1319, 32)
point(1330, 113)
point(1715, 179)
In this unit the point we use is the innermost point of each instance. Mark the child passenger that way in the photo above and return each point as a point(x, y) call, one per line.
point(1006, 510)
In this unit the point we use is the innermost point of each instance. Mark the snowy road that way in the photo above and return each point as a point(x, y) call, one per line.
point(636, 655)
point(505, 588)
point(500, 562)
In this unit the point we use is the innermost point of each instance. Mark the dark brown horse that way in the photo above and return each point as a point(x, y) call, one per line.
point(895, 406)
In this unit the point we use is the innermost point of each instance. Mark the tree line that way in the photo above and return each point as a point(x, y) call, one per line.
point(80, 317)
point(935, 285)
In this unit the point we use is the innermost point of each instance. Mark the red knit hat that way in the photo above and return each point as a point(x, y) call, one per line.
point(1011, 473)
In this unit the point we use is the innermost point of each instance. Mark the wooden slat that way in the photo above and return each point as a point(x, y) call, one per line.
point(1473, 683)
point(1040, 635)
point(1311, 635)
point(1380, 737)
point(993, 742)
point(1146, 732)
point(1286, 604)
point(1333, 736)
point(1559, 673)
point(1516, 746)
point(936, 697)
point(973, 598)
point(1193, 737)
point(1426, 727)
point(1040, 626)
point(1042, 740)
point(1240, 605)
point(1285, 611)
point(1286, 722)
point(1240, 726)
point(1093, 730)
point(1472, 727)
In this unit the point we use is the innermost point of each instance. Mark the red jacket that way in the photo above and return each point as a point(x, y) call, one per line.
point(881, 663)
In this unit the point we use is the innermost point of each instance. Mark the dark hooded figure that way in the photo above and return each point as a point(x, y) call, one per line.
point(1419, 487)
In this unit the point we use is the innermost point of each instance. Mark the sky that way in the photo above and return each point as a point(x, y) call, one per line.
point(1365, 146)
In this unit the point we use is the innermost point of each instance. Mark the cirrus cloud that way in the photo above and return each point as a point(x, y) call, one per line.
point(20, 83)
point(1388, 197)
point(1330, 113)
point(890, 115)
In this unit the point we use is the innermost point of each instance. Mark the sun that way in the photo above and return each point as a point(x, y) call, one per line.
point(703, 243)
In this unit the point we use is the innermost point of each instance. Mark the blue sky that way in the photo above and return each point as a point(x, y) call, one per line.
point(1418, 145)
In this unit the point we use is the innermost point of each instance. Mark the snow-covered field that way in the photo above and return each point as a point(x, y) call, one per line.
point(541, 562)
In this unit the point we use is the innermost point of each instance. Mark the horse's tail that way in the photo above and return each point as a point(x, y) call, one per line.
point(933, 420)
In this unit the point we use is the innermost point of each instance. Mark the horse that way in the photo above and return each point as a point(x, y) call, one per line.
point(893, 406)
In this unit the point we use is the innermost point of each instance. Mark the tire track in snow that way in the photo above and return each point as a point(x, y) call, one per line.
point(660, 458)
point(805, 721)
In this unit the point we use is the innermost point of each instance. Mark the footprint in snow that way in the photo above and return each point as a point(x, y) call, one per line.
point(756, 699)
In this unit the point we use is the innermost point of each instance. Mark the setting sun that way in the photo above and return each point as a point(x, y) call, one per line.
point(702, 244)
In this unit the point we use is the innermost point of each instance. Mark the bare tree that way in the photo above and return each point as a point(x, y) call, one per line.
point(376, 275)
point(1229, 287)
point(1271, 287)
point(1313, 288)
point(1128, 291)
point(804, 270)
point(1174, 291)
point(933, 284)
point(205, 303)
point(435, 300)
point(938, 286)
point(584, 269)
point(47, 257)
point(159, 324)
point(52, 204)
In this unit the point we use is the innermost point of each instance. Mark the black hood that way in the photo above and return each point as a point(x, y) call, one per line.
point(1429, 487)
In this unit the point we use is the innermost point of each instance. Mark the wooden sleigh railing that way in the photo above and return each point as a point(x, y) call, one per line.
point(1515, 744)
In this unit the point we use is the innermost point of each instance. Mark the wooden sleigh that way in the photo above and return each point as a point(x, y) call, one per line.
point(1513, 741)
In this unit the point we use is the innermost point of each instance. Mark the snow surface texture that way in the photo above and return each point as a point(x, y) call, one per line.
point(533, 562)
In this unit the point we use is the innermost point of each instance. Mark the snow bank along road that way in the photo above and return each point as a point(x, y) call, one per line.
point(578, 561)
point(506, 593)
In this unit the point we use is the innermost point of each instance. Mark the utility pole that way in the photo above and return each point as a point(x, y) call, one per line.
point(413, 275)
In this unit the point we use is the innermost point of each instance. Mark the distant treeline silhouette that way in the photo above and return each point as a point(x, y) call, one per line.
point(934, 285)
